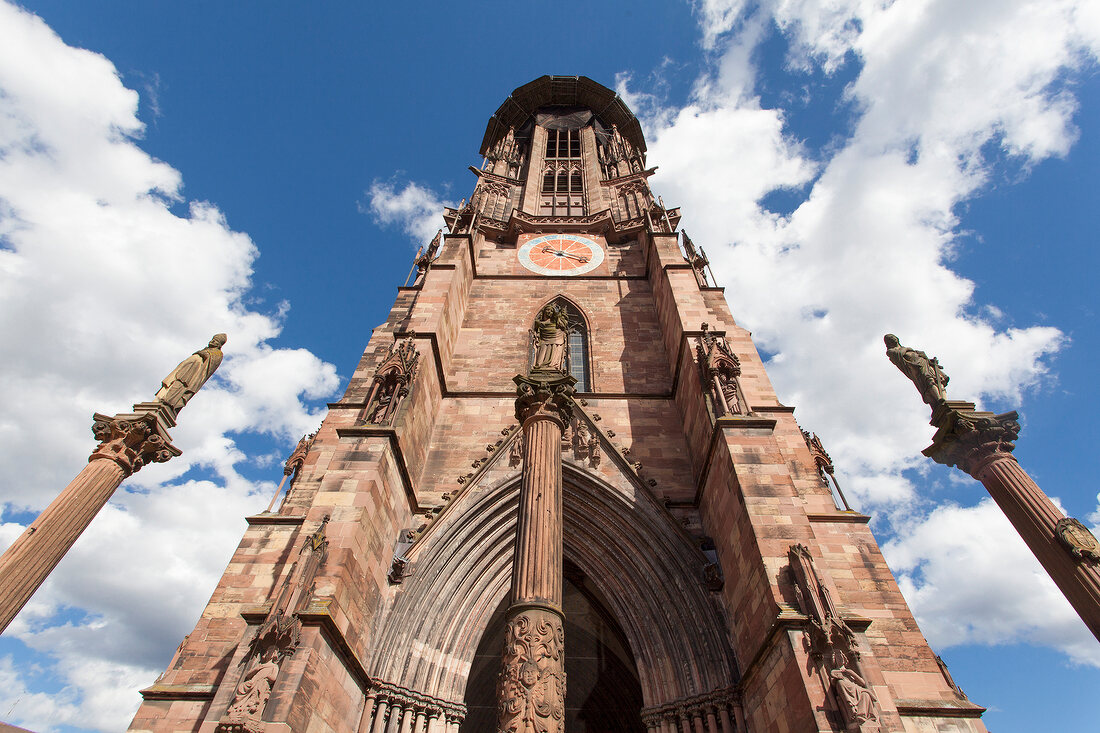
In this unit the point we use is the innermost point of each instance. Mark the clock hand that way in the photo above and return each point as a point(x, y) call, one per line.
point(573, 257)
point(562, 253)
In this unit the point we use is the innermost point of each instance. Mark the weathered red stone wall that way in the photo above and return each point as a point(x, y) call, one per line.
point(749, 484)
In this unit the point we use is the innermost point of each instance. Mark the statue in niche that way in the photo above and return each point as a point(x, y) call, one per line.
point(551, 337)
point(726, 378)
point(244, 714)
point(392, 383)
point(515, 456)
point(384, 403)
point(924, 372)
point(594, 451)
point(857, 702)
point(581, 441)
point(188, 377)
point(721, 374)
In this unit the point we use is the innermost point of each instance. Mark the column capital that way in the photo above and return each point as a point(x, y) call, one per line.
point(134, 439)
point(971, 440)
point(544, 396)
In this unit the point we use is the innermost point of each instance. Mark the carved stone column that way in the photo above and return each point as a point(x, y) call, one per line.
point(531, 691)
point(981, 444)
point(126, 443)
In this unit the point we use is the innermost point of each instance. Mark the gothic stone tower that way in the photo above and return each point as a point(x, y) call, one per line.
point(675, 523)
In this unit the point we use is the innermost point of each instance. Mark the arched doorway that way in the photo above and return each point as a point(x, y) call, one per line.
point(603, 694)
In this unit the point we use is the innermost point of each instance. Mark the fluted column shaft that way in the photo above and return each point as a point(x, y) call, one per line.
point(127, 442)
point(1035, 518)
point(532, 681)
point(36, 552)
point(536, 571)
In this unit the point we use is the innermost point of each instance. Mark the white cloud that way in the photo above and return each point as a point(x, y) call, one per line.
point(103, 289)
point(414, 208)
point(868, 249)
point(970, 578)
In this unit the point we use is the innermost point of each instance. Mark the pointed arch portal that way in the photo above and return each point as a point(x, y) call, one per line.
point(634, 572)
point(603, 692)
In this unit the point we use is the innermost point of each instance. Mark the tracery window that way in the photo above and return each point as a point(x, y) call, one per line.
point(562, 180)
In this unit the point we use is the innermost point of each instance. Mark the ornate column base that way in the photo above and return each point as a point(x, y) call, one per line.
point(531, 691)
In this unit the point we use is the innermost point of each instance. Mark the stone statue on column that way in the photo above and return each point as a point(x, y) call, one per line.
point(926, 373)
point(981, 444)
point(187, 378)
point(126, 442)
point(551, 337)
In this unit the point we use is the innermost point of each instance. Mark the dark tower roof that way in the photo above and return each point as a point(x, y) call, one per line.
point(562, 91)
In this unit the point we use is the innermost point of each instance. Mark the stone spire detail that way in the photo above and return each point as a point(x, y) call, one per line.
point(127, 442)
point(981, 444)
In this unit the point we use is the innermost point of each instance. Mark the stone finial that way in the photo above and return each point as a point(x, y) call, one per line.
point(926, 373)
point(191, 374)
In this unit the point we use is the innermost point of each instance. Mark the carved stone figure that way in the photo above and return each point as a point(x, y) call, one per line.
point(551, 336)
point(392, 383)
point(721, 374)
point(924, 372)
point(532, 682)
point(187, 378)
point(856, 700)
point(515, 456)
point(581, 439)
point(244, 714)
point(1077, 538)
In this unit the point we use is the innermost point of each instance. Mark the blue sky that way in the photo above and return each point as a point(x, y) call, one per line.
point(268, 169)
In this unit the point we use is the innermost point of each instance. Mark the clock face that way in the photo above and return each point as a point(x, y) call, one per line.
point(561, 254)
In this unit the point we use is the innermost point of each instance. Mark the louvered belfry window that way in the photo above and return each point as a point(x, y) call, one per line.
point(562, 180)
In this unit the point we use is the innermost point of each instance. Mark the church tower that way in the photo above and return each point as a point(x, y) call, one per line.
point(559, 494)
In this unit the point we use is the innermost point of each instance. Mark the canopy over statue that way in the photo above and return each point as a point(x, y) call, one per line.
point(924, 372)
point(186, 379)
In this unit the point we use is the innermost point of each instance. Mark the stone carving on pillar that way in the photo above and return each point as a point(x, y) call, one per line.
point(857, 702)
point(187, 378)
point(531, 686)
point(697, 258)
point(392, 383)
point(515, 455)
point(551, 396)
point(721, 374)
point(1077, 538)
point(532, 680)
point(293, 466)
point(126, 443)
point(824, 464)
point(132, 441)
point(828, 631)
point(276, 639)
point(968, 439)
point(832, 643)
point(551, 334)
point(425, 259)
